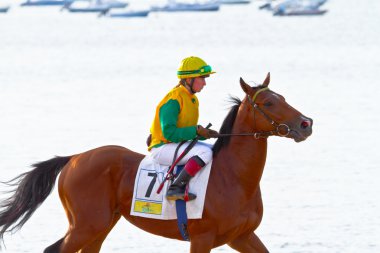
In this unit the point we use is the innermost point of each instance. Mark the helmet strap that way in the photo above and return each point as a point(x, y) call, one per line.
point(191, 85)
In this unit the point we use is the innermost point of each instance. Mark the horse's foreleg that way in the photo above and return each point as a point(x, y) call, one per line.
point(202, 243)
point(248, 243)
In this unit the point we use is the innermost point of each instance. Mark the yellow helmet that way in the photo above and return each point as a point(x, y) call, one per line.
point(193, 67)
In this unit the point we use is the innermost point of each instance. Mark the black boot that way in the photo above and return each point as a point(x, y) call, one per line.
point(178, 187)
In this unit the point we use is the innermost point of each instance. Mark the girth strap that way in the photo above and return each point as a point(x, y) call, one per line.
point(180, 206)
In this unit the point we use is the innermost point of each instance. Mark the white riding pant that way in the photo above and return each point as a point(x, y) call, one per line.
point(165, 153)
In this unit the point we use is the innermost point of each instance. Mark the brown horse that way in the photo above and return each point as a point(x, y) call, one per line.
point(96, 186)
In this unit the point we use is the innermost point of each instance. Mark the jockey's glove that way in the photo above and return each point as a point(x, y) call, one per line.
point(206, 133)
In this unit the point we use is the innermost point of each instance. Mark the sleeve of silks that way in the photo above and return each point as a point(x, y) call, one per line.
point(168, 119)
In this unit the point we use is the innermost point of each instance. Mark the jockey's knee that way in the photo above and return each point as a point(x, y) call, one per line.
point(205, 154)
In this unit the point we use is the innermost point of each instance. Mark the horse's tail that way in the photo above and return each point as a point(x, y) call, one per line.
point(31, 189)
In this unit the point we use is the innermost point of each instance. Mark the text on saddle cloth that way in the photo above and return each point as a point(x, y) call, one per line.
point(146, 202)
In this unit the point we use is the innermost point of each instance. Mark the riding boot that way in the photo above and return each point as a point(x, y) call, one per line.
point(178, 187)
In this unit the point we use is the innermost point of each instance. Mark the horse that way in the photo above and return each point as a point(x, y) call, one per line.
point(96, 186)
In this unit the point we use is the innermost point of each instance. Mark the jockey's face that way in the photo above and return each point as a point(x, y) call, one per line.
point(199, 83)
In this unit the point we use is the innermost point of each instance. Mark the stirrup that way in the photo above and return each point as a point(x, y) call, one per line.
point(180, 195)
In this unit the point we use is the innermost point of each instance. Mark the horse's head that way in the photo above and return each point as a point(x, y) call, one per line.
point(269, 114)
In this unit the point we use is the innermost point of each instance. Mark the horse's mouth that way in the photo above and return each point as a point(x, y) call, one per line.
point(298, 136)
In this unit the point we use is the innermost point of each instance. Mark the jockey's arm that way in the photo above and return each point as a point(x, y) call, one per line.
point(168, 119)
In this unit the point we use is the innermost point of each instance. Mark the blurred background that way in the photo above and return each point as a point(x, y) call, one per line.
point(70, 82)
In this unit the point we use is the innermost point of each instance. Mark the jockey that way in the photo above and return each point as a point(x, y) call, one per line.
point(176, 120)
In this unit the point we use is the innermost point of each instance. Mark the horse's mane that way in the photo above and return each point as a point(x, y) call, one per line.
point(227, 125)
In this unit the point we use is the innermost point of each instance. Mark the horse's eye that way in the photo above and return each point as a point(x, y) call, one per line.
point(269, 103)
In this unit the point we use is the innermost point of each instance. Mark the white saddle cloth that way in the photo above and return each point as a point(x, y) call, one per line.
point(147, 203)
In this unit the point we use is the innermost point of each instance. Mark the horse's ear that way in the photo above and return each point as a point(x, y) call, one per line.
point(246, 88)
point(267, 80)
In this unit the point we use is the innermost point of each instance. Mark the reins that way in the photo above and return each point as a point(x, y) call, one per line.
point(261, 134)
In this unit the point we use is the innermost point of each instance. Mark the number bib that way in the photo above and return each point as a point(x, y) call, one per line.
point(148, 203)
point(147, 200)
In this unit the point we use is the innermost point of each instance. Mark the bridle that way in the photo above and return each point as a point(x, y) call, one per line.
point(277, 126)
point(262, 134)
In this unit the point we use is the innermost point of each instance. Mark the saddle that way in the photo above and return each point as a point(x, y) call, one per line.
point(148, 203)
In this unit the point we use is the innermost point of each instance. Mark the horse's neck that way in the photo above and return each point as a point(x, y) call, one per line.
point(250, 156)
point(246, 158)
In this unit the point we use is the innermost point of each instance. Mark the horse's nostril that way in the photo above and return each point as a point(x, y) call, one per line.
point(305, 124)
